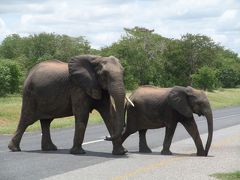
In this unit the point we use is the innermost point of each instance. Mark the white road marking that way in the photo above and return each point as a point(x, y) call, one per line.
point(233, 115)
point(224, 117)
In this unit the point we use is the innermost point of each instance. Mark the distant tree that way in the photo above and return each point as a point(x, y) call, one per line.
point(141, 51)
point(11, 47)
point(198, 51)
point(228, 77)
point(4, 80)
point(39, 47)
point(183, 58)
point(9, 77)
point(148, 58)
point(45, 46)
point(67, 47)
point(175, 65)
point(205, 78)
point(228, 64)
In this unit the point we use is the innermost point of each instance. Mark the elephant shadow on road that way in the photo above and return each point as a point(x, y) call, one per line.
point(87, 154)
point(173, 155)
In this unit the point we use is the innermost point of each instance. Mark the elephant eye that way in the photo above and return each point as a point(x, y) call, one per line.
point(192, 100)
point(104, 75)
point(98, 69)
point(101, 70)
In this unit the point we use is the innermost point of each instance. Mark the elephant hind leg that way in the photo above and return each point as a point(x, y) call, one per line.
point(81, 120)
point(14, 144)
point(125, 135)
point(143, 147)
point(169, 132)
point(47, 144)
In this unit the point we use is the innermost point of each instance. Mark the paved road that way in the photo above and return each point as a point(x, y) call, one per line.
point(224, 157)
point(32, 163)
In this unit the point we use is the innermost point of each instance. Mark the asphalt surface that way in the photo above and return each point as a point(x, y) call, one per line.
point(32, 163)
point(184, 165)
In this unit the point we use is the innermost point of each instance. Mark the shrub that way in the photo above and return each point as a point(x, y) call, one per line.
point(205, 78)
point(228, 77)
point(9, 77)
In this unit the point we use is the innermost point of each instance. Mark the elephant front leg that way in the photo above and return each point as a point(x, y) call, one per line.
point(80, 127)
point(118, 149)
point(143, 147)
point(191, 127)
point(169, 132)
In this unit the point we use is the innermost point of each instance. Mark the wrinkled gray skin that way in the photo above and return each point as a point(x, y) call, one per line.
point(165, 107)
point(54, 89)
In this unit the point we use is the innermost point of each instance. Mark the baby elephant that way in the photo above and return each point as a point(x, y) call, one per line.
point(164, 107)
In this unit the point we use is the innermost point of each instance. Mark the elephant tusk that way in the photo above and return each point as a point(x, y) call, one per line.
point(113, 103)
point(127, 98)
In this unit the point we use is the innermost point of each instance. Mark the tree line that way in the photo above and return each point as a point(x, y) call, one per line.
point(147, 57)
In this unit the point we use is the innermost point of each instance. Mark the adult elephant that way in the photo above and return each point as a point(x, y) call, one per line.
point(54, 89)
point(165, 107)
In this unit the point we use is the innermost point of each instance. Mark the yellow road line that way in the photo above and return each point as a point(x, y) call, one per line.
point(167, 161)
point(147, 168)
point(225, 141)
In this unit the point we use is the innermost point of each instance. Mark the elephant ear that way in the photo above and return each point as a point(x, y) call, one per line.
point(177, 98)
point(82, 74)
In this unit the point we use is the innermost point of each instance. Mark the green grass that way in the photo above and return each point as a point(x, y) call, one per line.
point(227, 176)
point(224, 98)
point(10, 110)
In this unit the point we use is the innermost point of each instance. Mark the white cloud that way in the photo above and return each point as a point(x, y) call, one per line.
point(3, 30)
point(229, 20)
point(102, 21)
point(2, 26)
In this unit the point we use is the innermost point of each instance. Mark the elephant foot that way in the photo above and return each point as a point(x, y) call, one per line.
point(77, 150)
point(49, 147)
point(13, 147)
point(119, 150)
point(145, 149)
point(201, 153)
point(166, 152)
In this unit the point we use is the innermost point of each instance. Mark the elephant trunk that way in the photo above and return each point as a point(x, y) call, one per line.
point(117, 92)
point(209, 118)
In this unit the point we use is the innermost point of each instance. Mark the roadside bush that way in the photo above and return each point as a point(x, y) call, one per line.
point(228, 77)
point(205, 78)
point(9, 77)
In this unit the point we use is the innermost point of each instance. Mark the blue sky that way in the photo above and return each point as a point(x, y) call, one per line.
point(102, 21)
